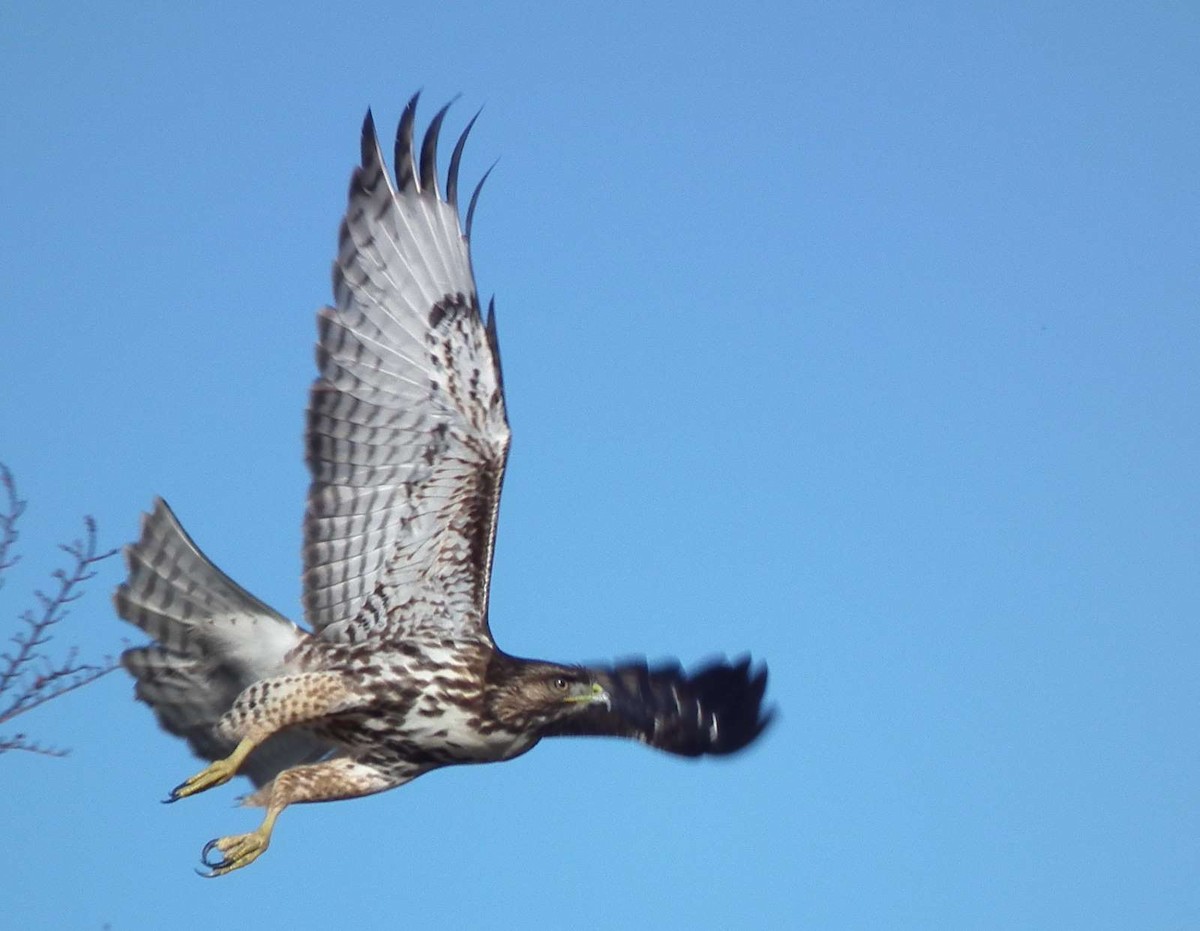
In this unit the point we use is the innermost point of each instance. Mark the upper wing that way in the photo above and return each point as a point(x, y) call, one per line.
point(407, 434)
point(715, 710)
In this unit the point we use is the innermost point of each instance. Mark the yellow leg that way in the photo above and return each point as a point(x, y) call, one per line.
point(238, 850)
point(337, 778)
point(215, 774)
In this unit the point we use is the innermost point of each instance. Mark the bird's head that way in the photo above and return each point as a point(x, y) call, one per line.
point(532, 694)
point(572, 688)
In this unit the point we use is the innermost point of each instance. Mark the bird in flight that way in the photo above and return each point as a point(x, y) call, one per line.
point(406, 440)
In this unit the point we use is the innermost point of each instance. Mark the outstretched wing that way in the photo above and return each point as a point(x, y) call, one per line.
point(407, 434)
point(715, 710)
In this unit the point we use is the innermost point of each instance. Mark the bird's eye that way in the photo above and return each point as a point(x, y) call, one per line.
point(560, 684)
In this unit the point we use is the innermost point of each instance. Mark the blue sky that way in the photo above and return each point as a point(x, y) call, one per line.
point(863, 337)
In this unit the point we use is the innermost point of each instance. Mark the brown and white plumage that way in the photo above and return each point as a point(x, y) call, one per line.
point(213, 639)
point(407, 439)
point(407, 433)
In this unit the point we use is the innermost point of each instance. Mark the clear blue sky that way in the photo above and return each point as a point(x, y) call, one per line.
point(862, 336)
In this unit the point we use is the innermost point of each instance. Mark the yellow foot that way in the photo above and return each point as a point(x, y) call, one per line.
point(236, 851)
point(215, 774)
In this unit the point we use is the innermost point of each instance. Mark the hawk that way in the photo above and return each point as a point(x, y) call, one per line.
point(407, 439)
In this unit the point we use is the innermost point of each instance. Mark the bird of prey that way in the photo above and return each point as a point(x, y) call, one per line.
point(406, 438)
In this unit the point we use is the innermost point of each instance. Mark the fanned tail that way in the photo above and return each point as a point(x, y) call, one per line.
point(212, 639)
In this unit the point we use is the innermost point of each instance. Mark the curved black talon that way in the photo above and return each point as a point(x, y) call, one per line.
point(214, 867)
point(208, 848)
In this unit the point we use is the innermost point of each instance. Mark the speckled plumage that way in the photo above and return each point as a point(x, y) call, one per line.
point(407, 440)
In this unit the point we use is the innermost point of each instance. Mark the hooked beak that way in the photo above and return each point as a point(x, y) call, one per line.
point(597, 696)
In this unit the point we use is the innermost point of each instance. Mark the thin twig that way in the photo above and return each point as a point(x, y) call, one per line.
point(25, 685)
point(21, 742)
point(14, 507)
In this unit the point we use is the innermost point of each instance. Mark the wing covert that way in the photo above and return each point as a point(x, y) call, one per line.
point(407, 434)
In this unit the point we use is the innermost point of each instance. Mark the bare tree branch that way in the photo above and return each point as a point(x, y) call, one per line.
point(13, 509)
point(29, 677)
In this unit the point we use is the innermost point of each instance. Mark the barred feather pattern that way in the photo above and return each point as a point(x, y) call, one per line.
point(212, 640)
point(407, 434)
point(407, 440)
